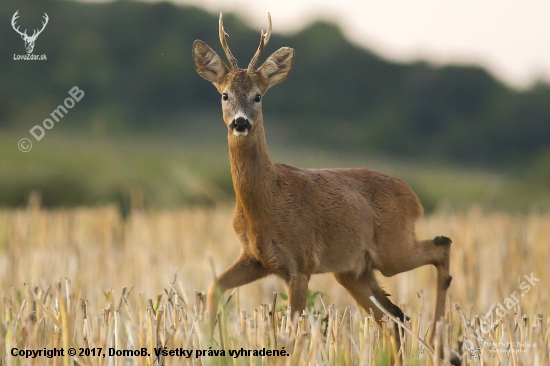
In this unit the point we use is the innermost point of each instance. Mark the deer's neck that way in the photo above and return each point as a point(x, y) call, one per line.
point(253, 173)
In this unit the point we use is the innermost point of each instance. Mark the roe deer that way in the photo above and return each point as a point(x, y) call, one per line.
point(295, 222)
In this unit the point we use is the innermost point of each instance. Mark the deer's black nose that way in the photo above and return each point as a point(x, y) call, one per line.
point(241, 124)
point(241, 121)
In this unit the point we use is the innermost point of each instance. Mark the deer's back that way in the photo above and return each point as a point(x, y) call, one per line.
point(339, 216)
point(348, 188)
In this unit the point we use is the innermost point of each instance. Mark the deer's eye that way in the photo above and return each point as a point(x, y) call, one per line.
point(225, 96)
point(258, 98)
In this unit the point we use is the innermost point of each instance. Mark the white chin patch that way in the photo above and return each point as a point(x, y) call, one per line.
point(237, 133)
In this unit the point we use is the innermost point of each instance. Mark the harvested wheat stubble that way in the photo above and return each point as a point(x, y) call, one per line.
point(86, 278)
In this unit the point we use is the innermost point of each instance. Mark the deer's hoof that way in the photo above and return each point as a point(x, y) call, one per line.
point(455, 361)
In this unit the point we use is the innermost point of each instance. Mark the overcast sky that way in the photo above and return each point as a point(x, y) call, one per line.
point(511, 38)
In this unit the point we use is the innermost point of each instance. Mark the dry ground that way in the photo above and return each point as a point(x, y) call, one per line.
point(89, 278)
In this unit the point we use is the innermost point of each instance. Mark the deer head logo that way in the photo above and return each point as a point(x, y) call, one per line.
point(29, 40)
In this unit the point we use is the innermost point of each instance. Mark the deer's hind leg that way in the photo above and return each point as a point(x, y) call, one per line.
point(436, 252)
point(297, 293)
point(362, 288)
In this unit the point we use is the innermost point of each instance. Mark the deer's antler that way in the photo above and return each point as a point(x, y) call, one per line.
point(230, 57)
point(264, 39)
point(13, 19)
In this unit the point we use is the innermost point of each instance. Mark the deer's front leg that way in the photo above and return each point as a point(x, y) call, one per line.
point(243, 271)
point(297, 292)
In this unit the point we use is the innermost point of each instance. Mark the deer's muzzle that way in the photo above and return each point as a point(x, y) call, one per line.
point(240, 124)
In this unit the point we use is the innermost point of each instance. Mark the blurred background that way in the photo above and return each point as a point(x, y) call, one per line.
point(455, 101)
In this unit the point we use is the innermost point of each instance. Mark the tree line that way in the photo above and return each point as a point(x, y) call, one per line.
point(133, 59)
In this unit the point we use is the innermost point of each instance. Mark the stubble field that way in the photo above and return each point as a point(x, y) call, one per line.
point(89, 278)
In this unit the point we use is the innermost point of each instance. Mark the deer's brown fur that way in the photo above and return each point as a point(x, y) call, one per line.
point(296, 222)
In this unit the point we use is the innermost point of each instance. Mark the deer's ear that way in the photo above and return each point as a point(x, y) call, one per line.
point(207, 63)
point(276, 68)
